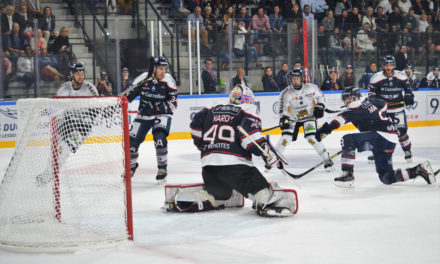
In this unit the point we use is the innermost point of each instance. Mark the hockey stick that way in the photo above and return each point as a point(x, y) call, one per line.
point(297, 176)
point(279, 157)
point(437, 172)
point(332, 111)
point(149, 74)
point(269, 129)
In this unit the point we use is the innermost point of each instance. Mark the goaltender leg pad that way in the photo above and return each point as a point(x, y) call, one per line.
point(276, 201)
point(184, 192)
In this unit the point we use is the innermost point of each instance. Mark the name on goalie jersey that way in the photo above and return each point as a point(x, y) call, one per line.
point(219, 146)
point(222, 118)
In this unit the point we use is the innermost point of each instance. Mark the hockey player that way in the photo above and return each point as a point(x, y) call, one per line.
point(77, 86)
point(412, 78)
point(387, 85)
point(300, 105)
point(158, 101)
point(227, 161)
point(377, 134)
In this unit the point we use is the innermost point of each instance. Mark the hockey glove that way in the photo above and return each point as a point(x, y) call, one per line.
point(408, 99)
point(318, 111)
point(284, 122)
point(323, 132)
point(268, 156)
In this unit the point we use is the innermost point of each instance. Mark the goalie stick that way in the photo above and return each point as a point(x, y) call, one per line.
point(297, 176)
point(149, 74)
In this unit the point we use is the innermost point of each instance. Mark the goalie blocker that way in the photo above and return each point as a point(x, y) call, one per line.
point(272, 201)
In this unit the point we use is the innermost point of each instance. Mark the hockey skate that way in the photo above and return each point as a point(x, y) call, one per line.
point(371, 159)
point(272, 211)
point(161, 175)
point(267, 168)
point(328, 165)
point(408, 156)
point(425, 171)
point(346, 180)
point(133, 168)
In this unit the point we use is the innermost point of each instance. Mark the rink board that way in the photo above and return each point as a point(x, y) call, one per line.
point(425, 112)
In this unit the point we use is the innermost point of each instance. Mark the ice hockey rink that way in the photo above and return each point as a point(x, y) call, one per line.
point(371, 223)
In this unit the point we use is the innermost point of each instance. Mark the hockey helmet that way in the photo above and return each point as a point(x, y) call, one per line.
point(296, 72)
point(241, 94)
point(160, 61)
point(409, 66)
point(77, 67)
point(350, 92)
point(388, 59)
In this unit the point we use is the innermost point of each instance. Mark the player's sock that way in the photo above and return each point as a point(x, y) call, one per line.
point(408, 156)
point(346, 180)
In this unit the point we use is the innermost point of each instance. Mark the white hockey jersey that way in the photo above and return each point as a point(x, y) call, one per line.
point(299, 104)
point(86, 89)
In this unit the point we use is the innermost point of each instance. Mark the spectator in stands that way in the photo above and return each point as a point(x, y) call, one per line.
point(409, 71)
point(432, 79)
point(296, 16)
point(40, 42)
point(356, 52)
point(210, 24)
point(307, 14)
point(354, 20)
point(329, 21)
point(342, 21)
point(7, 70)
point(27, 22)
point(103, 84)
point(61, 43)
point(411, 41)
point(429, 41)
point(404, 5)
point(239, 78)
point(423, 23)
point(208, 77)
point(47, 24)
point(368, 18)
point(244, 17)
point(297, 42)
point(229, 14)
point(364, 41)
point(335, 47)
point(222, 46)
point(401, 58)
point(395, 18)
point(260, 25)
point(410, 18)
point(25, 68)
point(321, 7)
point(240, 43)
point(35, 7)
point(421, 7)
point(16, 42)
point(8, 19)
point(178, 9)
point(386, 5)
point(282, 78)
point(269, 84)
point(310, 3)
point(193, 18)
point(322, 44)
point(48, 67)
point(331, 82)
point(126, 80)
point(348, 78)
point(381, 20)
point(391, 41)
point(276, 28)
point(126, 5)
point(364, 82)
point(340, 6)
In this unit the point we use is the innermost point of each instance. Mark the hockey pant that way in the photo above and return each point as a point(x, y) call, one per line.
point(160, 129)
point(399, 119)
point(225, 186)
point(382, 151)
point(291, 134)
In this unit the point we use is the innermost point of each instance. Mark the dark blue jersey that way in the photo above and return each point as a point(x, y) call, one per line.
point(390, 89)
point(214, 131)
point(157, 97)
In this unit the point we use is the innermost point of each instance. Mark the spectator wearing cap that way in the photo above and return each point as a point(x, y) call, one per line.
point(432, 79)
point(126, 80)
point(348, 78)
point(401, 58)
point(208, 77)
point(365, 79)
point(331, 82)
point(412, 78)
point(103, 85)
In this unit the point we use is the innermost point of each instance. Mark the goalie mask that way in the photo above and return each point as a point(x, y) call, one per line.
point(241, 95)
point(296, 72)
point(351, 92)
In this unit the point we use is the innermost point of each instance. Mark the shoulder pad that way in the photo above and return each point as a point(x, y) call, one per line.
point(377, 77)
point(170, 81)
point(140, 78)
point(250, 109)
point(430, 76)
point(401, 76)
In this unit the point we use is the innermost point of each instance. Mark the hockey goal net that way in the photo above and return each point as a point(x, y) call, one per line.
point(68, 182)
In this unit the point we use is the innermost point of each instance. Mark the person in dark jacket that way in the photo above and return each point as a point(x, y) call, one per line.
point(282, 78)
point(401, 58)
point(348, 78)
point(331, 82)
point(269, 84)
point(47, 24)
point(208, 77)
point(239, 78)
point(365, 79)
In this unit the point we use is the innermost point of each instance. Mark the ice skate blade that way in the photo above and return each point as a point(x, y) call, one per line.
point(347, 184)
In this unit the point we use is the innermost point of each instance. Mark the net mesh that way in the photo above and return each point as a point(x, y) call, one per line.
point(64, 186)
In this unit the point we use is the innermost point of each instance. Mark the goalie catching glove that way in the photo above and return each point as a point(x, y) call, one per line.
point(284, 122)
point(318, 111)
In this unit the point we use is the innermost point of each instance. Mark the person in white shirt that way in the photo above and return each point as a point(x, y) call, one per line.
point(77, 86)
point(404, 6)
point(386, 5)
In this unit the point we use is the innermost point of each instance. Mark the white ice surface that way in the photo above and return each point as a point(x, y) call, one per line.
point(372, 223)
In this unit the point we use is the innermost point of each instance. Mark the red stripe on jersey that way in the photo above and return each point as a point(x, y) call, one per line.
point(348, 157)
point(195, 128)
point(225, 152)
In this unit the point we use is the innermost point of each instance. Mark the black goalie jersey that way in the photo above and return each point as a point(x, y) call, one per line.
point(214, 131)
